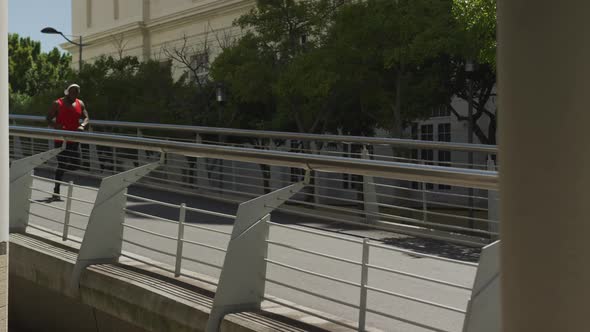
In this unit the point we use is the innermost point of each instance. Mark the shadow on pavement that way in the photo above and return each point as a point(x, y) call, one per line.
point(436, 248)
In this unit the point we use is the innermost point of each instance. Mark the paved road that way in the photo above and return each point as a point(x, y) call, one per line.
point(441, 318)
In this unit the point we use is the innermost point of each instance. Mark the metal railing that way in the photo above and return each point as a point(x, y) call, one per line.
point(239, 179)
point(362, 140)
point(297, 261)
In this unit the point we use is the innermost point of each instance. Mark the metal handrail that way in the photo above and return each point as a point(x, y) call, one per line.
point(392, 170)
point(414, 144)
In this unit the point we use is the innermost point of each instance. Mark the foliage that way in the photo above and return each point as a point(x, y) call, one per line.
point(314, 66)
point(32, 72)
point(476, 22)
point(302, 65)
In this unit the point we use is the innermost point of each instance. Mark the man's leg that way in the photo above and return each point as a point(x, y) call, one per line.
point(73, 156)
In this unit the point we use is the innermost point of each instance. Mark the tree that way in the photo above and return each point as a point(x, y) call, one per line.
point(267, 68)
point(394, 53)
point(31, 71)
point(476, 22)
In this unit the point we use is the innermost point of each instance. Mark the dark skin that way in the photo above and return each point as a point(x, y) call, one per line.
point(70, 99)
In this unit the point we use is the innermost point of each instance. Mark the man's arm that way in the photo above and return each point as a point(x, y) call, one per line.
point(52, 115)
point(85, 117)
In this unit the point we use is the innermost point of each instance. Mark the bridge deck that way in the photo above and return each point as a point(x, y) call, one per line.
point(450, 321)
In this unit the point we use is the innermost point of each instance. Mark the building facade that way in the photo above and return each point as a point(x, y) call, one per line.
point(151, 29)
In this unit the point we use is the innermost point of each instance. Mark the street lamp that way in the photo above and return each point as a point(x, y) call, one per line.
point(50, 30)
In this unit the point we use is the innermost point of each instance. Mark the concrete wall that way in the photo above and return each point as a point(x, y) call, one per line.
point(112, 297)
point(36, 308)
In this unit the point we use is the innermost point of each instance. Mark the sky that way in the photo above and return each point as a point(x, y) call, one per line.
point(28, 17)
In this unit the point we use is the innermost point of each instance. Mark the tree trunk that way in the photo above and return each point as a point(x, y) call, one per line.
point(397, 128)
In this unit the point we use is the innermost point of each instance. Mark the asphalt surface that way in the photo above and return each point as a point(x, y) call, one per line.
point(404, 308)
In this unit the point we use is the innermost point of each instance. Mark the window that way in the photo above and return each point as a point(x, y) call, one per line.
point(441, 111)
point(199, 66)
point(116, 9)
point(444, 157)
point(426, 132)
point(444, 132)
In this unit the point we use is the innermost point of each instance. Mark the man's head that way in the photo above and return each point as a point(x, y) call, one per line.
point(72, 91)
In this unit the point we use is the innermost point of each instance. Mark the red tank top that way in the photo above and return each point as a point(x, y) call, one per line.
point(68, 117)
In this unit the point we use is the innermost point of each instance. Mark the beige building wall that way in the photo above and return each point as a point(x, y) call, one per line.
point(149, 28)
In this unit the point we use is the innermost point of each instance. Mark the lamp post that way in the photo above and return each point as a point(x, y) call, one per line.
point(50, 30)
point(469, 69)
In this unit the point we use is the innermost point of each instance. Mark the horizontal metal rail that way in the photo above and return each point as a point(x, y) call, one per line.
point(187, 225)
point(202, 262)
point(315, 253)
point(204, 245)
point(149, 216)
point(412, 144)
point(415, 299)
point(315, 274)
point(319, 233)
point(416, 276)
point(391, 170)
point(304, 291)
point(47, 205)
point(149, 232)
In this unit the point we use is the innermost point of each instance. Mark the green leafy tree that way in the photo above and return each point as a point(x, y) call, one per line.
point(31, 71)
point(476, 41)
point(272, 67)
point(394, 54)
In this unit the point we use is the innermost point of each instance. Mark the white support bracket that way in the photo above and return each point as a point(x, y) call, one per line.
point(242, 280)
point(493, 205)
point(369, 194)
point(21, 181)
point(483, 310)
point(104, 234)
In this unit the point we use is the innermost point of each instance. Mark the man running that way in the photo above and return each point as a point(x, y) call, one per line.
point(65, 114)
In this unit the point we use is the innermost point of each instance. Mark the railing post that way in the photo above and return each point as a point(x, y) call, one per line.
point(242, 280)
point(316, 175)
point(422, 186)
point(94, 162)
point(424, 202)
point(202, 179)
point(17, 147)
point(21, 181)
point(493, 205)
point(180, 240)
point(115, 157)
point(483, 310)
point(67, 212)
point(369, 194)
point(141, 155)
point(103, 237)
point(364, 281)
